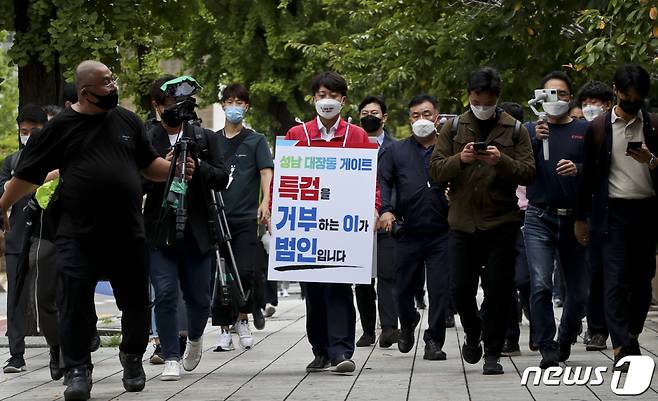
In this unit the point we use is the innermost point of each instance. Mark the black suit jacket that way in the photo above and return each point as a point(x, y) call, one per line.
point(593, 193)
point(211, 172)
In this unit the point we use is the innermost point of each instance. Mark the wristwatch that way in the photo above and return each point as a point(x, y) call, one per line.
point(653, 162)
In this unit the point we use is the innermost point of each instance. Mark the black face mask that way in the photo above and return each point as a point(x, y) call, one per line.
point(171, 117)
point(106, 102)
point(371, 123)
point(631, 107)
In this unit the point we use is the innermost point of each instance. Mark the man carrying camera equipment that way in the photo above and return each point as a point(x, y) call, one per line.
point(100, 150)
point(330, 314)
point(181, 259)
point(372, 112)
point(250, 165)
point(548, 222)
point(484, 154)
point(618, 194)
point(23, 310)
point(595, 98)
point(418, 224)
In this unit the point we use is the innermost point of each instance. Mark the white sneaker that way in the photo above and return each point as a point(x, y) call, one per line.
point(285, 294)
point(171, 371)
point(192, 355)
point(269, 310)
point(225, 342)
point(246, 340)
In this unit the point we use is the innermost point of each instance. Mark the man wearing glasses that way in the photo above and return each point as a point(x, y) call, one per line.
point(100, 150)
point(548, 222)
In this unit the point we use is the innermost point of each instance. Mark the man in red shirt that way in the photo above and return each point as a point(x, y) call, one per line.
point(330, 314)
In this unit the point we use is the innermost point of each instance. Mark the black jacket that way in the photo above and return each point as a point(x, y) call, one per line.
point(593, 193)
point(14, 238)
point(210, 174)
point(423, 208)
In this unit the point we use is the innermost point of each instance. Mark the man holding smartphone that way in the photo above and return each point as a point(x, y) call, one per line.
point(618, 194)
point(548, 221)
point(484, 216)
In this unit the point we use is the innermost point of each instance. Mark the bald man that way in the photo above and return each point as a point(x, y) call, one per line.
point(100, 150)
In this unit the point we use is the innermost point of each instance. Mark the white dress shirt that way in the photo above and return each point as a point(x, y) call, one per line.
point(628, 179)
point(327, 135)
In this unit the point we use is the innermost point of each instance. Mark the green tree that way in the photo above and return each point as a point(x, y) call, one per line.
point(621, 32)
point(8, 102)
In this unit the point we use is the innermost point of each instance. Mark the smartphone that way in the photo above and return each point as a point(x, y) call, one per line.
point(634, 146)
point(480, 147)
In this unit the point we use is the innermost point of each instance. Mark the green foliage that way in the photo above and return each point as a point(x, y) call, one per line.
point(622, 32)
point(8, 103)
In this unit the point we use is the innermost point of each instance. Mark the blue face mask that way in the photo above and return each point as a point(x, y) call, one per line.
point(234, 114)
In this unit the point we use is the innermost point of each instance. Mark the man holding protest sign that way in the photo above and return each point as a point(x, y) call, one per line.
point(331, 317)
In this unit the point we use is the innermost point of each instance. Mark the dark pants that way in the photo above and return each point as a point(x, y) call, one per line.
point(80, 263)
point(416, 255)
point(549, 237)
point(38, 300)
point(260, 283)
point(521, 294)
point(367, 295)
point(469, 252)
point(330, 319)
point(595, 312)
point(629, 265)
point(187, 269)
point(244, 241)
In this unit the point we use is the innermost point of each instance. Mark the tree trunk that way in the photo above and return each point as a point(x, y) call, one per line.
point(37, 83)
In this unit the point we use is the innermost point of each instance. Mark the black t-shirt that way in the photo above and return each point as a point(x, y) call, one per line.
point(99, 158)
point(248, 153)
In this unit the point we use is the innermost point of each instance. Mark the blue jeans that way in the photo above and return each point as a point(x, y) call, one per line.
point(547, 237)
point(188, 270)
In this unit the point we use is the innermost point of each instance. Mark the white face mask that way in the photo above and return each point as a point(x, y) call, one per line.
point(556, 109)
point(483, 112)
point(328, 108)
point(423, 128)
point(24, 138)
point(590, 112)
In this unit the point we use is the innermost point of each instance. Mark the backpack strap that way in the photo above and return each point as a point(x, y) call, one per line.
point(454, 127)
point(515, 133)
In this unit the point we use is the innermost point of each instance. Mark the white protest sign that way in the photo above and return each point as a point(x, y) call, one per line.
point(323, 206)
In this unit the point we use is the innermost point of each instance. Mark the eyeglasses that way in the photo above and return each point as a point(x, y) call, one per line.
point(107, 82)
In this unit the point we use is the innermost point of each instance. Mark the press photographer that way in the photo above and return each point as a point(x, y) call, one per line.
point(177, 219)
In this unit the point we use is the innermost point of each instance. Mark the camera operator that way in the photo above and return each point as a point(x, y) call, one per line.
point(187, 264)
point(251, 166)
point(548, 222)
point(421, 241)
point(484, 216)
point(100, 150)
point(618, 194)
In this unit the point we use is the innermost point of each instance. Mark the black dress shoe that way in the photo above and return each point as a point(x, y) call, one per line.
point(56, 372)
point(597, 342)
point(319, 364)
point(134, 377)
point(95, 343)
point(472, 350)
point(79, 385)
point(433, 352)
point(550, 356)
point(406, 340)
point(450, 321)
point(366, 340)
point(492, 366)
point(259, 319)
point(510, 348)
point(625, 351)
point(389, 337)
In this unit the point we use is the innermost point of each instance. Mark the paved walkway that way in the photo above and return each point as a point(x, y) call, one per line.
point(274, 370)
